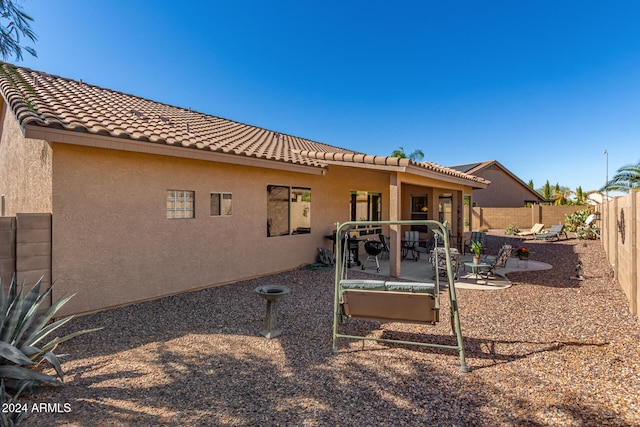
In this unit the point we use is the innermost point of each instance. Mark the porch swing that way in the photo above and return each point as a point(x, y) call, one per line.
point(387, 301)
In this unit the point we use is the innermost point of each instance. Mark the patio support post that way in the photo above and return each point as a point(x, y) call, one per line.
point(395, 209)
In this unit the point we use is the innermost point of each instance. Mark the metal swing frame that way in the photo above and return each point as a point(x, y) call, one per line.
point(440, 229)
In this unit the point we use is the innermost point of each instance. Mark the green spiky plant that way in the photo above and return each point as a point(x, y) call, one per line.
point(10, 416)
point(23, 329)
point(476, 248)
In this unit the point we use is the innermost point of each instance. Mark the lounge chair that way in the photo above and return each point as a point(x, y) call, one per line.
point(554, 233)
point(537, 228)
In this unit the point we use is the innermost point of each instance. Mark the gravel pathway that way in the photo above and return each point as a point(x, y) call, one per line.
point(548, 351)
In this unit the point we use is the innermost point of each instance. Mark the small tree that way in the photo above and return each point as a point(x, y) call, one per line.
point(546, 191)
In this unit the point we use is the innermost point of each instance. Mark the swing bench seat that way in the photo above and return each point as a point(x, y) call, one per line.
point(389, 301)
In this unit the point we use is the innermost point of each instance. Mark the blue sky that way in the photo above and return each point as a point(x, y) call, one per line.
point(542, 87)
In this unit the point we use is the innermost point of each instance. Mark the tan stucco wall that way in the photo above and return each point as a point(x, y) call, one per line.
point(113, 244)
point(503, 191)
point(433, 188)
point(25, 169)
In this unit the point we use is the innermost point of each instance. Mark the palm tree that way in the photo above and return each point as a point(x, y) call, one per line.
point(416, 156)
point(626, 178)
point(561, 197)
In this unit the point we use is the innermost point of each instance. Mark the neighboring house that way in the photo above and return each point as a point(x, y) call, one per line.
point(149, 199)
point(506, 189)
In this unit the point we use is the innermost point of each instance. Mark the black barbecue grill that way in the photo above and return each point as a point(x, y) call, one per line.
point(373, 249)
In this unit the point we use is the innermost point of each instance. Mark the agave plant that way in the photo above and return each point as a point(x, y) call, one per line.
point(11, 414)
point(23, 329)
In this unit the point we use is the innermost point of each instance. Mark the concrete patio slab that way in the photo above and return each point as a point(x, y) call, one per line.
point(422, 271)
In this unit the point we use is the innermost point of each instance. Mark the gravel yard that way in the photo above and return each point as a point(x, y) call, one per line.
point(547, 351)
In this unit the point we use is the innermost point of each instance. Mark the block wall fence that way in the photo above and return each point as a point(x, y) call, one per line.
point(619, 231)
point(523, 218)
point(25, 250)
point(622, 242)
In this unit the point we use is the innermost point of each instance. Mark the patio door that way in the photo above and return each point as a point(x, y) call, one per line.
point(445, 208)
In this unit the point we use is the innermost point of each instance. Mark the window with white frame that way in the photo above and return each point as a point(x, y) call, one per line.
point(221, 204)
point(288, 210)
point(180, 204)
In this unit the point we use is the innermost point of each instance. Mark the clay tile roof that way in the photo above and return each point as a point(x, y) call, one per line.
point(40, 99)
point(44, 100)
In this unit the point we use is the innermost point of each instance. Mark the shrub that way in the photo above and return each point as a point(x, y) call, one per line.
point(577, 219)
point(22, 331)
point(511, 230)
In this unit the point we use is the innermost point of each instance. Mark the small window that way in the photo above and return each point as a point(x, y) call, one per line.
point(180, 204)
point(221, 204)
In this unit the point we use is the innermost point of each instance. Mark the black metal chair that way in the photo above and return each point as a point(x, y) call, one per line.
point(476, 236)
point(385, 245)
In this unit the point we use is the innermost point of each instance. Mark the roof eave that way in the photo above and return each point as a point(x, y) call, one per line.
point(130, 145)
point(427, 173)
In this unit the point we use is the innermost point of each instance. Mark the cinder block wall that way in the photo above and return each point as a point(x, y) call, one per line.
point(25, 249)
point(621, 241)
point(33, 248)
point(7, 249)
point(523, 218)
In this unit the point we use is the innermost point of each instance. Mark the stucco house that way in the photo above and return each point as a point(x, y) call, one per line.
point(506, 190)
point(148, 199)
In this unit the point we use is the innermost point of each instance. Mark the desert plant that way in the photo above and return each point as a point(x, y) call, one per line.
point(476, 248)
point(12, 412)
point(577, 219)
point(22, 330)
point(511, 230)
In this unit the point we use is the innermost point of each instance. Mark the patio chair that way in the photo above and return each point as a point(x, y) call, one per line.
point(476, 236)
point(537, 228)
point(411, 243)
point(554, 233)
point(494, 262)
point(385, 245)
